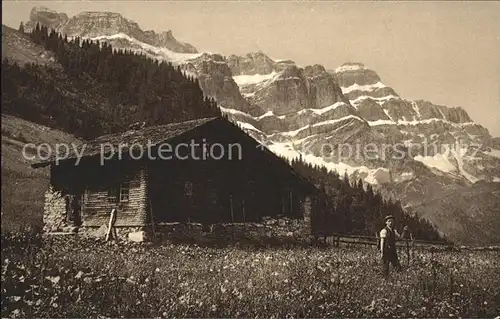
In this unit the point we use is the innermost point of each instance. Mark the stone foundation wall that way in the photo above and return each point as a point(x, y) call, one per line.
point(122, 232)
point(269, 228)
point(283, 228)
point(55, 217)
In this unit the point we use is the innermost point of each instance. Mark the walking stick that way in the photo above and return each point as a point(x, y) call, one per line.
point(408, 252)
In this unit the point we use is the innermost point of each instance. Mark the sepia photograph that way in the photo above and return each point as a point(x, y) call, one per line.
point(250, 159)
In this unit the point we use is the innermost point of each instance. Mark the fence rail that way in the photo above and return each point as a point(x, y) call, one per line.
point(372, 241)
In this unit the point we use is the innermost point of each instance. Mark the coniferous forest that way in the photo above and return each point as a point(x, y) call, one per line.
point(344, 207)
point(101, 90)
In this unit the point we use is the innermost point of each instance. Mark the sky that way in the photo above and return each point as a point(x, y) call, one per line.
point(444, 52)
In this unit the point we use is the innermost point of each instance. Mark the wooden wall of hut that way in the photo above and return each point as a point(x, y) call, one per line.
point(242, 186)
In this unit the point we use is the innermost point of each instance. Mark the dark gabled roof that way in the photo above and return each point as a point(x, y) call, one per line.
point(153, 135)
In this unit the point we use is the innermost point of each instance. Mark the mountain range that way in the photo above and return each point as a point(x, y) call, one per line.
point(434, 158)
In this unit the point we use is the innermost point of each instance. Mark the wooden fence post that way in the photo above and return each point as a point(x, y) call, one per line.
point(152, 219)
point(282, 204)
point(408, 252)
point(244, 215)
point(232, 213)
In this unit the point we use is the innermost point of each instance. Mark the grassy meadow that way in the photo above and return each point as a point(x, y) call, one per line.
point(75, 277)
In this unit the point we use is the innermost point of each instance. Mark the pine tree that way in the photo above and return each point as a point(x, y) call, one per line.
point(21, 27)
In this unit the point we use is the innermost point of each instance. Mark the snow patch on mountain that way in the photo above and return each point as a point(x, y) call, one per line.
point(378, 100)
point(441, 112)
point(459, 154)
point(338, 120)
point(373, 176)
point(323, 110)
point(328, 122)
point(248, 126)
point(428, 121)
point(405, 176)
point(364, 88)
point(238, 112)
point(284, 149)
point(381, 122)
point(233, 111)
point(164, 53)
point(349, 67)
point(267, 114)
point(302, 140)
point(244, 80)
point(439, 161)
point(388, 115)
point(327, 108)
point(493, 152)
point(417, 111)
point(381, 175)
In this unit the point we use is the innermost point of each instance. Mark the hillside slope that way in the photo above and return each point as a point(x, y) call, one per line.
point(19, 48)
point(92, 90)
point(23, 187)
point(472, 214)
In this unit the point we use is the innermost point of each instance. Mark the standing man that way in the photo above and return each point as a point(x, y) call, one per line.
point(388, 252)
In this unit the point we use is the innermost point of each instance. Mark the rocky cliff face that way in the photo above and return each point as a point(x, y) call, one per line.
point(251, 64)
point(216, 81)
point(441, 138)
point(102, 24)
point(363, 87)
point(46, 16)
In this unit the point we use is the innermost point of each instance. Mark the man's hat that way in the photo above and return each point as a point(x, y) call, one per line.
point(388, 217)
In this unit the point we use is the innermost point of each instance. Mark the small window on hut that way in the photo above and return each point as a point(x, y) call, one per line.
point(188, 189)
point(120, 193)
point(124, 191)
point(113, 194)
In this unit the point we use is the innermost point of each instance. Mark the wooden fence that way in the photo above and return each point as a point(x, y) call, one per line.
point(406, 245)
point(336, 239)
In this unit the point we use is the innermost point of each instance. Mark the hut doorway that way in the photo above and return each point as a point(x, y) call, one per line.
point(74, 209)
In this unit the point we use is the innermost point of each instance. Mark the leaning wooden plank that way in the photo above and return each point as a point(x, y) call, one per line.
point(112, 220)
